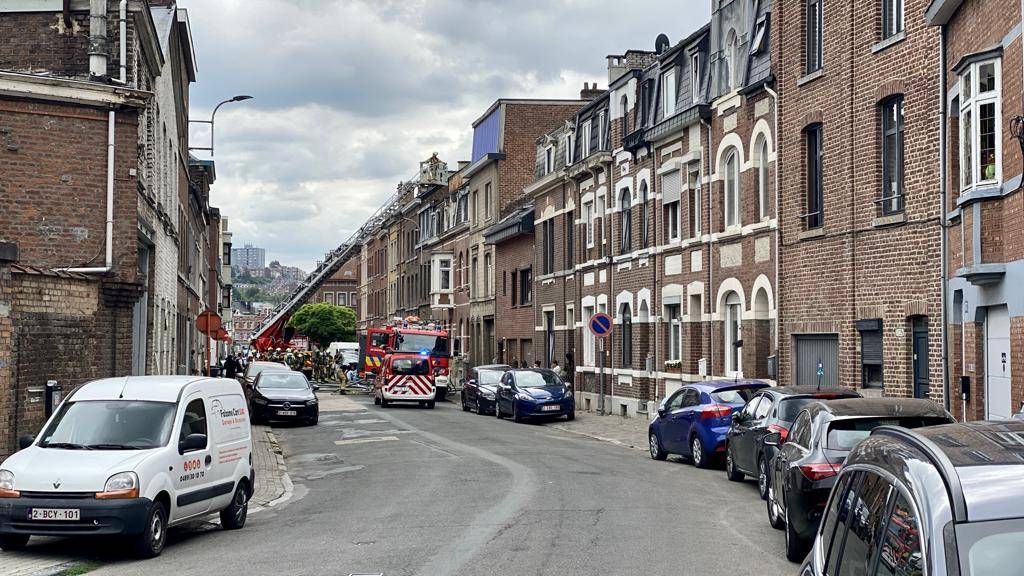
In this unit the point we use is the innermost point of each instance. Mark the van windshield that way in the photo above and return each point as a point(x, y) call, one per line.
point(110, 425)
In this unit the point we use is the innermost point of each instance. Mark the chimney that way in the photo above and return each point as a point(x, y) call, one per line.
point(616, 67)
point(590, 91)
point(99, 47)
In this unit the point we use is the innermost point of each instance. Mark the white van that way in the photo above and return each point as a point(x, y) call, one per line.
point(349, 352)
point(132, 456)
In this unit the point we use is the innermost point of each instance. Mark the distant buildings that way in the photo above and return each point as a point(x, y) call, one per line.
point(249, 256)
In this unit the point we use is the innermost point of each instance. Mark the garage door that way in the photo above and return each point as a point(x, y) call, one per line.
point(812, 351)
point(997, 363)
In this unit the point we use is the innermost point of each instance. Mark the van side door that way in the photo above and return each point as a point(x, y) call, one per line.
point(190, 477)
point(230, 445)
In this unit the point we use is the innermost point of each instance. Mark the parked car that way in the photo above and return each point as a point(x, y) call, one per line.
point(533, 393)
point(943, 501)
point(130, 457)
point(805, 466)
point(479, 391)
point(692, 422)
point(772, 410)
point(284, 395)
point(253, 369)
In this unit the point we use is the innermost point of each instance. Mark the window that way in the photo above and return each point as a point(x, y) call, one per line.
point(815, 196)
point(672, 221)
point(588, 215)
point(812, 36)
point(588, 338)
point(892, 18)
point(733, 334)
point(672, 315)
point(570, 241)
point(865, 525)
point(627, 336)
point(602, 131)
point(488, 201)
point(763, 409)
point(585, 139)
point(626, 223)
point(668, 92)
point(193, 421)
point(623, 106)
point(475, 207)
point(445, 268)
point(644, 217)
point(732, 189)
point(695, 77)
point(980, 124)
point(762, 178)
point(903, 533)
point(342, 299)
point(549, 159)
point(525, 286)
point(693, 182)
point(568, 149)
point(329, 297)
point(733, 69)
point(760, 42)
point(474, 290)
point(489, 274)
point(892, 155)
point(549, 245)
point(801, 433)
point(601, 213)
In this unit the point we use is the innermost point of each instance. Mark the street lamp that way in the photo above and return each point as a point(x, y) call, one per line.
point(213, 116)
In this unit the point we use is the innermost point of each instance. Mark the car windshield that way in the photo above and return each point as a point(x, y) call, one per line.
point(990, 548)
point(537, 379)
point(411, 366)
point(427, 344)
point(255, 369)
point(283, 381)
point(845, 434)
point(110, 425)
point(488, 377)
point(740, 396)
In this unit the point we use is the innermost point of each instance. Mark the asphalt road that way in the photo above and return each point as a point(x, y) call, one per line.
point(409, 491)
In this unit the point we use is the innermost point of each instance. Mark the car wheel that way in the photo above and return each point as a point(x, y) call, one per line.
point(697, 455)
point(570, 416)
point(13, 542)
point(796, 550)
point(515, 412)
point(233, 517)
point(430, 405)
point(731, 471)
point(465, 407)
point(657, 452)
point(479, 407)
point(314, 420)
point(774, 511)
point(497, 410)
point(151, 542)
point(762, 478)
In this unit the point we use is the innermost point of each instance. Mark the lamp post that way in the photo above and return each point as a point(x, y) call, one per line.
point(213, 116)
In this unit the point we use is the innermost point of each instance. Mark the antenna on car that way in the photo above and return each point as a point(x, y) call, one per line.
point(123, 387)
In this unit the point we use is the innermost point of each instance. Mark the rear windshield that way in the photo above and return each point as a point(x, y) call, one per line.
point(845, 434)
point(741, 396)
point(411, 366)
point(790, 407)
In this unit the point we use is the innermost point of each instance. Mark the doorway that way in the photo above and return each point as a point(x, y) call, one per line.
point(920, 356)
point(998, 403)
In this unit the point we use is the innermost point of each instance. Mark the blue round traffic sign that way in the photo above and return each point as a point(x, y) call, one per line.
point(601, 325)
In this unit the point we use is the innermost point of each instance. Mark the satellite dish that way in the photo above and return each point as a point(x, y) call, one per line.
point(661, 43)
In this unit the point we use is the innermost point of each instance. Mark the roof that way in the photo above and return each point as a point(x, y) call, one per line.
point(517, 223)
point(980, 443)
point(495, 367)
point(903, 407)
point(811, 390)
point(711, 385)
point(150, 388)
point(940, 12)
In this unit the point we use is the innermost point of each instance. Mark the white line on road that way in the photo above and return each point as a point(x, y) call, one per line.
point(365, 440)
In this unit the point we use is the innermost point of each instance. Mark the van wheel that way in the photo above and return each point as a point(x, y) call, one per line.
point(13, 542)
point(233, 517)
point(376, 401)
point(384, 402)
point(151, 542)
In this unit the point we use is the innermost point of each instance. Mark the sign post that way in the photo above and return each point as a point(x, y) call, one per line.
point(601, 327)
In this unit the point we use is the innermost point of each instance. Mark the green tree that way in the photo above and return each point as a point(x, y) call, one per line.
point(324, 323)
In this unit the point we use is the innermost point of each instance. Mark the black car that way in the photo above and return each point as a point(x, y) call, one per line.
point(772, 410)
point(481, 386)
point(943, 501)
point(284, 395)
point(804, 468)
point(534, 393)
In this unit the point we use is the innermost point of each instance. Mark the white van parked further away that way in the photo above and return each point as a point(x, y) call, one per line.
point(132, 456)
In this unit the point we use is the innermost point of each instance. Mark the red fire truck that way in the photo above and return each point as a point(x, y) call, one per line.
point(408, 336)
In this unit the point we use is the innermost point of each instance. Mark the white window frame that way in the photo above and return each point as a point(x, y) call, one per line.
point(589, 357)
point(762, 179)
point(549, 159)
point(588, 219)
point(695, 76)
point(444, 268)
point(488, 201)
point(585, 138)
point(568, 149)
point(674, 232)
point(969, 85)
point(669, 92)
point(675, 335)
point(695, 192)
point(601, 132)
point(732, 195)
point(733, 321)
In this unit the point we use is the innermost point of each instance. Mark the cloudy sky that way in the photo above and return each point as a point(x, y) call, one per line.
point(350, 95)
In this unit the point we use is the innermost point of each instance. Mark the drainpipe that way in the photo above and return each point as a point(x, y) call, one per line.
point(109, 260)
point(778, 229)
point(123, 31)
point(98, 44)
point(943, 232)
point(711, 257)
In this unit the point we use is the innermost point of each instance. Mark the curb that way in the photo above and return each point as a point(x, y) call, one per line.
point(286, 480)
point(601, 438)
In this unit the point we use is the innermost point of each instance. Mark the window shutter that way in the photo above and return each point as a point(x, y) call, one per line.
point(871, 347)
point(671, 186)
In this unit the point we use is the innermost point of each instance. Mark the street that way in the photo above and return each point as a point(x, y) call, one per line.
point(410, 491)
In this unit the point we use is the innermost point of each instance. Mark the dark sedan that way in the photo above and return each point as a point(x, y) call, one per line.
point(532, 394)
point(772, 410)
point(284, 396)
point(480, 388)
point(805, 466)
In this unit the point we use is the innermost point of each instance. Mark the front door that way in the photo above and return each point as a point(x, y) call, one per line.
point(191, 476)
point(920, 350)
point(998, 402)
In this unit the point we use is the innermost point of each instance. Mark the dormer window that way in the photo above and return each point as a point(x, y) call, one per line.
point(585, 139)
point(760, 42)
point(980, 125)
point(568, 149)
point(695, 76)
point(668, 92)
point(549, 159)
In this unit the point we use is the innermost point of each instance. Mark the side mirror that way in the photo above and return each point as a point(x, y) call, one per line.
point(737, 417)
point(316, 387)
point(191, 443)
point(772, 439)
point(25, 441)
point(472, 382)
point(661, 411)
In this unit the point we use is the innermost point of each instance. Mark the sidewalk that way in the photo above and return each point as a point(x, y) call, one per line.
point(626, 432)
point(273, 485)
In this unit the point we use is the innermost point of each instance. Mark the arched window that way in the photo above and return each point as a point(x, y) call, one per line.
point(733, 334)
point(731, 206)
point(645, 234)
point(731, 62)
point(762, 177)
point(624, 105)
point(627, 335)
point(626, 222)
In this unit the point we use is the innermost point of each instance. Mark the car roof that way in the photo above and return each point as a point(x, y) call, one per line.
point(811, 390)
point(268, 363)
point(494, 367)
point(538, 370)
point(895, 407)
point(147, 388)
point(712, 385)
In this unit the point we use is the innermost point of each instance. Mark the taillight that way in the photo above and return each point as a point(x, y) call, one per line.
point(815, 472)
point(783, 432)
point(715, 411)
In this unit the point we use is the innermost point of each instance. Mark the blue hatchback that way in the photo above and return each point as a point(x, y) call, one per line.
point(693, 421)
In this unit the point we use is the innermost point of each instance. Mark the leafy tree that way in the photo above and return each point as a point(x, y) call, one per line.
point(324, 323)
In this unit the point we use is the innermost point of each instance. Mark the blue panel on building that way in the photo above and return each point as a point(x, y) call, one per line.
point(485, 135)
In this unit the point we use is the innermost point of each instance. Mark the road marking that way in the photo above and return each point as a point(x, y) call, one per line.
point(365, 440)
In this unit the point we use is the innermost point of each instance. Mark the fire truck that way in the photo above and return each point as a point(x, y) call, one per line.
point(407, 336)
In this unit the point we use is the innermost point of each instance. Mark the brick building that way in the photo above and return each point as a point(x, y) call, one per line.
point(860, 256)
point(982, 83)
point(342, 288)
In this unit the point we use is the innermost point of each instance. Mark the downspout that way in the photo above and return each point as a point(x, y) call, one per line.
point(778, 230)
point(711, 257)
point(943, 232)
point(109, 260)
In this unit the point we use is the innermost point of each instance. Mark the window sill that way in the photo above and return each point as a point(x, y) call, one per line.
point(808, 78)
point(812, 234)
point(890, 220)
point(890, 41)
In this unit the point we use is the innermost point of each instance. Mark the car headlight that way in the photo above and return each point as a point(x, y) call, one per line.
point(260, 401)
point(568, 392)
point(7, 485)
point(120, 485)
point(312, 402)
point(487, 395)
point(523, 396)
